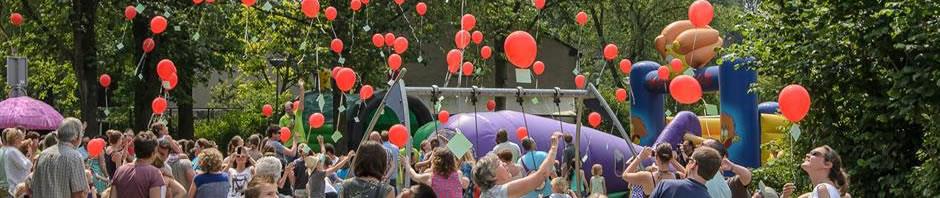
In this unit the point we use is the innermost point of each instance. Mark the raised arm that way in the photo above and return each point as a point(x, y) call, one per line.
point(632, 175)
point(679, 168)
point(424, 178)
point(341, 163)
point(527, 184)
point(744, 175)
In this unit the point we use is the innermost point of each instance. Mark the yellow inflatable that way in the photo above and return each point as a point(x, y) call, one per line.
point(772, 126)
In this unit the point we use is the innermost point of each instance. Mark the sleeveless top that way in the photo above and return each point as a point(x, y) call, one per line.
point(239, 182)
point(212, 185)
point(109, 164)
point(597, 184)
point(448, 187)
point(362, 188)
point(832, 191)
point(637, 190)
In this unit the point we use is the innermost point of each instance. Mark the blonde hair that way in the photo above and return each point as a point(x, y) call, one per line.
point(559, 184)
point(210, 160)
point(10, 135)
point(597, 170)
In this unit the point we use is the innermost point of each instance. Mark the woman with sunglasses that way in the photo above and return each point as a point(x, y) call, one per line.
point(240, 169)
point(643, 182)
point(824, 167)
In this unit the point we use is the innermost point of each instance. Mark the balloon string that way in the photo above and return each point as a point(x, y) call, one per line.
point(405, 16)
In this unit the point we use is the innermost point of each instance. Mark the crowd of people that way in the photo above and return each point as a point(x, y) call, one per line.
point(152, 164)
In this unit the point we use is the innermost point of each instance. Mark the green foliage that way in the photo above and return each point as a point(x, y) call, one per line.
point(230, 124)
point(870, 68)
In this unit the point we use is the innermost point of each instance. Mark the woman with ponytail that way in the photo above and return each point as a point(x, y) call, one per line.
point(824, 167)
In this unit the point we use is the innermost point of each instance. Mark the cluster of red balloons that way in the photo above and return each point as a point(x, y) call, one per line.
point(398, 135)
point(794, 102)
point(316, 120)
point(166, 70)
point(158, 105)
point(105, 80)
point(267, 110)
point(345, 78)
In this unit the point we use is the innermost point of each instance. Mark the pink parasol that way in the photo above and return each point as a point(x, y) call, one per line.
point(28, 113)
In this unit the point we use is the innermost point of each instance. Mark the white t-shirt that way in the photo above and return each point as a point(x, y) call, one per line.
point(498, 191)
point(832, 190)
point(513, 147)
point(16, 166)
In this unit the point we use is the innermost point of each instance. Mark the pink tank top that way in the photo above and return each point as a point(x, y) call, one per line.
point(447, 187)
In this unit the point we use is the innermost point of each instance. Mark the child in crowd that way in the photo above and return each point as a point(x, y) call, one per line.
point(560, 189)
point(598, 186)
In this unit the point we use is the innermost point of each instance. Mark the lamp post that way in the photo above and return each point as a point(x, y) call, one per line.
point(277, 60)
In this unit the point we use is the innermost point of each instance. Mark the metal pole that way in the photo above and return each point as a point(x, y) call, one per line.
point(577, 148)
point(613, 116)
point(381, 108)
point(505, 92)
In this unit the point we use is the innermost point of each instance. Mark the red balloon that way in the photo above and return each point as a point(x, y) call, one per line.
point(794, 102)
point(172, 81)
point(538, 68)
point(486, 52)
point(462, 39)
point(378, 40)
point(197, 2)
point(365, 92)
point(130, 12)
point(164, 68)
point(394, 62)
point(398, 134)
point(467, 69)
point(539, 4)
point(248, 3)
point(158, 105)
point(610, 52)
point(454, 57)
point(522, 133)
point(295, 106)
point(701, 13)
point(355, 5)
point(625, 66)
point(316, 120)
point(663, 73)
point(399, 2)
point(477, 37)
point(490, 105)
point(95, 147)
point(443, 116)
point(336, 45)
point(401, 45)
point(421, 8)
point(621, 94)
point(330, 13)
point(581, 18)
point(267, 110)
point(158, 24)
point(105, 80)
point(594, 119)
point(345, 79)
point(685, 89)
point(16, 19)
point(365, 2)
point(389, 39)
point(579, 81)
point(335, 70)
point(676, 64)
point(520, 49)
point(285, 134)
point(148, 45)
point(467, 22)
point(311, 8)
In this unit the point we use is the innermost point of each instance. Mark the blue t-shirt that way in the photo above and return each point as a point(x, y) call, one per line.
point(392, 158)
point(680, 188)
point(531, 162)
point(212, 185)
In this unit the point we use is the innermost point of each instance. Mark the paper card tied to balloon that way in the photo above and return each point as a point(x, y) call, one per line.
point(336, 136)
point(459, 144)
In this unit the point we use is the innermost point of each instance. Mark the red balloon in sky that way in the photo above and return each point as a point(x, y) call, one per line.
point(248, 3)
point(311, 8)
point(105, 80)
point(398, 134)
point(355, 5)
point(594, 119)
point(490, 105)
point(477, 37)
point(610, 51)
point(579, 81)
point(158, 105)
point(486, 52)
point(336, 45)
point(663, 73)
point(365, 92)
point(621, 94)
point(522, 133)
point(794, 102)
point(467, 22)
point(401, 45)
point(330, 13)
point(399, 2)
point(378, 40)
point(467, 69)
point(462, 39)
point(454, 57)
point(520, 49)
point(158, 24)
point(345, 79)
point(148, 45)
point(389, 39)
point(394, 62)
point(443, 116)
point(539, 4)
point(581, 18)
point(701, 13)
point(625, 66)
point(421, 8)
point(538, 68)
point(267, 110)
point(130, 12)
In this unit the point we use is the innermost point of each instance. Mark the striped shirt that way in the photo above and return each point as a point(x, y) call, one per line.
point(59, 172)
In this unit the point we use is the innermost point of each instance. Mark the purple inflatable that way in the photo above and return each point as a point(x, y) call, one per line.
point(684, 122)
point(600, 148)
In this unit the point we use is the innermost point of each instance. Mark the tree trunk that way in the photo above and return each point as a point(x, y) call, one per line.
point(84, 58)
point(499, 71)
point(184, 101)
point(145, 90)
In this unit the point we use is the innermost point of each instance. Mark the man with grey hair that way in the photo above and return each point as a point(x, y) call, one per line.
point(60, 172)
